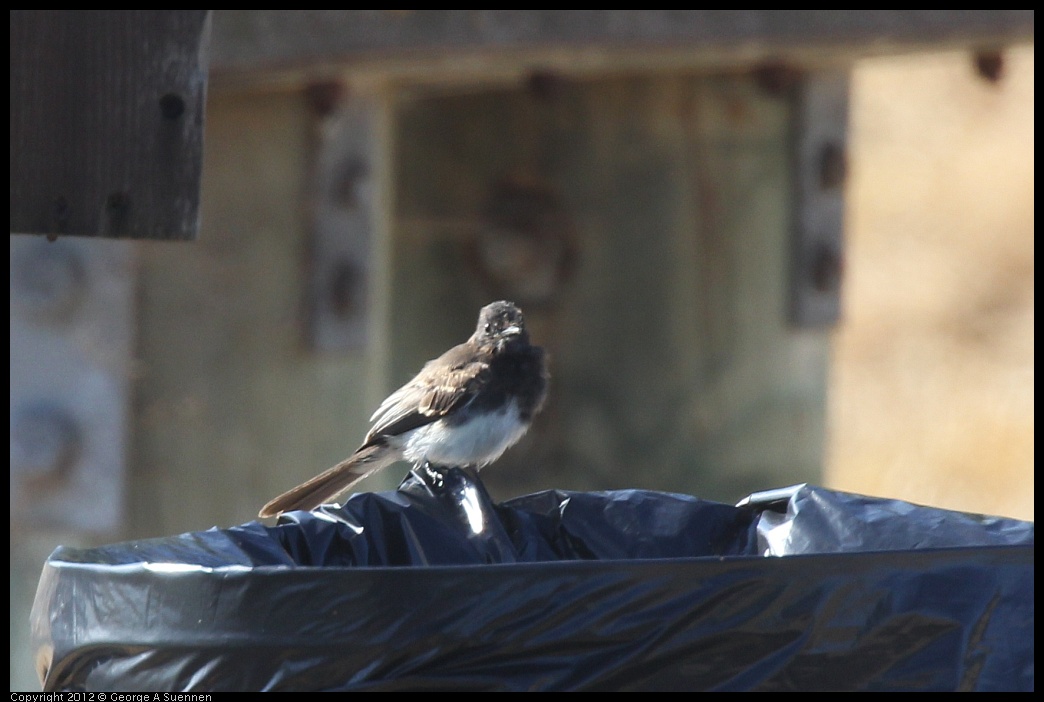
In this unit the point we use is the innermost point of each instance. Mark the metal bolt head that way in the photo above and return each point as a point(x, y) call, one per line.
point(172, 106)
point(833, 166)
point(989, 65)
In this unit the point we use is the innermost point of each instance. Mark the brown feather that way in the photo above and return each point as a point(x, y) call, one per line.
point(332, 481)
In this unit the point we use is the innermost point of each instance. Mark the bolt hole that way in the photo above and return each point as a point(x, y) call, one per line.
point(172, 106)
point(827, 267)
point(346, 289)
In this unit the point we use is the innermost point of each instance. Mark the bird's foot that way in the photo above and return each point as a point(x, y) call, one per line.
point(434, 476)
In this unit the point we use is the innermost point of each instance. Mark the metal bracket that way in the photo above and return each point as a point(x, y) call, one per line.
point(71, 335)
point(340, 288)
point(817, 263)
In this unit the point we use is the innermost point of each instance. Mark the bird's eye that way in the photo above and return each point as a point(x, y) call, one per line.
point(489, 327)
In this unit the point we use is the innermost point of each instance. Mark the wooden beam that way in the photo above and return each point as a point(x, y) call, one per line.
point(273, 43)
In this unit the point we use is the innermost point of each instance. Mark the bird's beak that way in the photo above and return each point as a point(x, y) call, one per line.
point(512, 330)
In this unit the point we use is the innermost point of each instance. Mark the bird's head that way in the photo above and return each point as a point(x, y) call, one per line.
point(501, 324)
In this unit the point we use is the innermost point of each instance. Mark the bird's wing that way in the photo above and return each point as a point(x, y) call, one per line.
point(435, 392)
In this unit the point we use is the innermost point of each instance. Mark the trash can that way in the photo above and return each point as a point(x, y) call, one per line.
point(435, 587)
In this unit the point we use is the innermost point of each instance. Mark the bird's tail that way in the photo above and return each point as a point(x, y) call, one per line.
point(333, 481)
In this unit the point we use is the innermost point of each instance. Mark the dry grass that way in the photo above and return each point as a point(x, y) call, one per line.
point(932, 388)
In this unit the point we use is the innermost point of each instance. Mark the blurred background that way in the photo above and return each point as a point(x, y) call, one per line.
point(931, 390)
point(802, 262)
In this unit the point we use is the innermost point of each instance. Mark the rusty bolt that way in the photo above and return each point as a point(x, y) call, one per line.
point(325, 96)
point(990, 65)
point(776, 78)
point(827, 267)
point(345, 290)
point(833, 166)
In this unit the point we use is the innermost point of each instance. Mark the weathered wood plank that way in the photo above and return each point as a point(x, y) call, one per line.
point(107, 122)
point(274, 42)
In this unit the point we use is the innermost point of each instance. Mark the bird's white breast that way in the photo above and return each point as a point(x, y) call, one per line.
point(477, 442)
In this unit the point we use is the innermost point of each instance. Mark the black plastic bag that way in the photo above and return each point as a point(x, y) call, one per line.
point(434, 586)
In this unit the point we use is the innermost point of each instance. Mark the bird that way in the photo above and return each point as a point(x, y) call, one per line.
point(463, 409)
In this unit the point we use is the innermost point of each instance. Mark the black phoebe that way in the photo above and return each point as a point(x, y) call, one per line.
point(465, 408)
